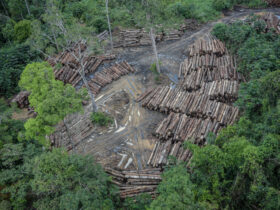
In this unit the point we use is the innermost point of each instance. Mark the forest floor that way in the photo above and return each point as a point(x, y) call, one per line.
point(128, 143)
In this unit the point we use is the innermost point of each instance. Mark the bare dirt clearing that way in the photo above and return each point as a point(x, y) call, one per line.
point(128, 142)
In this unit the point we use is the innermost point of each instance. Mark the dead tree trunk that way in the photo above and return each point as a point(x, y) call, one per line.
point(152, 36)
point(27, 7)
point(109, 24)
point(82, 73)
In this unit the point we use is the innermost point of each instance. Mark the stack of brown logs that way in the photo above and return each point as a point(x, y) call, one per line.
point(21, 99)
point(167, 99)
point(272, 22)
point(180, 127)
point(132, 183)
point(164, 149)
point(63, 137)
point(108, 75)
point(139, 37)
point(196, 79)
point(210, 73)
point(69, 71)
point(202, 47)
point(275, 3)
point(224, 90)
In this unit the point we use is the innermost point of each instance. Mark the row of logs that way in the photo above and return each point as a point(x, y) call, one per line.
point(208, 61)
point(67, 67)
point(273, 3)
point(108, 75)
point(167, 99)
point(223, 91)
point(180, 127)
point(139, 37)
point(132, 183)
point(63, 138)
point(164, 149)
point(196, 79)
point(202, 47)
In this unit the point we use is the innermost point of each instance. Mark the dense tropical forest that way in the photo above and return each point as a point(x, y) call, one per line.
point(239, 168)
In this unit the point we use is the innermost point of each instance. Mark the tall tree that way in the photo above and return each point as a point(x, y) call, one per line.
point(109, 24)
point(51, 99)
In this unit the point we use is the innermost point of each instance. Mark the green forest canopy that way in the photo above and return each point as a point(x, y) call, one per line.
point(238, 169)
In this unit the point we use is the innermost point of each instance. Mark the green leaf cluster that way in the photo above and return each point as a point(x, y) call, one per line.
point(51, 99)
point(101, 119)
point(12, 63)
point(53, 179)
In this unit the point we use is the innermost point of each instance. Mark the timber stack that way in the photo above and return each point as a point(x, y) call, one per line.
point(275, 3)
point(67, 68)
point(70, 135)
point(21, 99)
point(201, 104)
point(272, 22)
point(139, 37)
point(132, 183)
point(167, 99)
point(108, 75)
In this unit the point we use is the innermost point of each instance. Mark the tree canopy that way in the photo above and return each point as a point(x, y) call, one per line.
point(51, 99)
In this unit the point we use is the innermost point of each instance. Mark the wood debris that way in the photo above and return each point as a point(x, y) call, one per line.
point(103, 36)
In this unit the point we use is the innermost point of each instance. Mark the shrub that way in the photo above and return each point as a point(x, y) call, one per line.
point(101, 119)
point(22, 30)
point(220, 31)
point(221, 4)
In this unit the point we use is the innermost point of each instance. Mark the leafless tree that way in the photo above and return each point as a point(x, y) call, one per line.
point(152, 36)
point(109, 24)
point(27, 7)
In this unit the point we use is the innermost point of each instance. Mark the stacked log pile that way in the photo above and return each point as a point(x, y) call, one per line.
point(167, 99)
point(275, 3)
point(202, 47)
point(132, 183)
point(224, 90)
point(201, 104)
point(139, 37)
point(21, 99)
point(69, 71)
point(108, 75)
point(77, 131)
point(172, 35)
point(272, 21)
point(180, 127)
